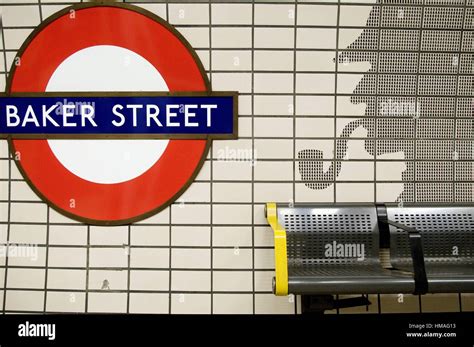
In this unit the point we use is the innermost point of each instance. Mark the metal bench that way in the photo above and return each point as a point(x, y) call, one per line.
point(447, 234)
point(323, 249)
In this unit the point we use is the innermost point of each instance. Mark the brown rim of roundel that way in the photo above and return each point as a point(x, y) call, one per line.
point(161, 21)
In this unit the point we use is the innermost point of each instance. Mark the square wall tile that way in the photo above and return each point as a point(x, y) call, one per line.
point(109, 235)
point(70, 302)
point(232, 281)
point(274, 149)
point(233, 303)
point(20, 16)
point(107, 302)
point(231, 37)
point(231, 192)
point(263, 281)
point(149, 303)
point(189, 258)
point(149, 280)
point(274, 37)
point(232, 214)
point(355, 192)
point(271, 60)
point(27, 255)
point(273, 105)
point(18, 278)
point(399, 303)
point(232, 236)
point(440, 303)
point(316, 38)
point(314, 105)
point(231, 14)
point(67, 257)
point(67, 279)
point(27, 234)
point(197, 37)
point(108, 257)
point(24, 300)
point(273, 171)
point(320, 15)
point(190, 214)
point(267, 192)
point(274, 14)
point(149, 235)
point(162, 217)
point(273, 127)
point(231, 60)
point(67, 235)
point(149, 257)
point(188, 14)
point(191, 281)
point(273, 83)
point(197, 192)
point(28, 212)
point(264, 258)
point(190, 236)
point(271, 304)
point(108, 279)
point(21, 191)
point(315, 61)
point(232, 258)
point(467, 302)
point(191, 303)
point(263, 236)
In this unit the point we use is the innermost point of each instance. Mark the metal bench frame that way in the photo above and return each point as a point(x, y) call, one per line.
point(406, 231)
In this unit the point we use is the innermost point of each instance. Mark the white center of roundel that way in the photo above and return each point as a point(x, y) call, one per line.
point(115, 69)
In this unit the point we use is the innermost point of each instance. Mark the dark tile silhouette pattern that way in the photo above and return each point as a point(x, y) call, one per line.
point(418, 95)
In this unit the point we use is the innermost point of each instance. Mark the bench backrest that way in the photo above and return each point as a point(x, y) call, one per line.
point(447, 235)
point(316, 235)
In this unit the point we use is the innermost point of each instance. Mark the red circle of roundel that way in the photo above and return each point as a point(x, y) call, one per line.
point(146, 35)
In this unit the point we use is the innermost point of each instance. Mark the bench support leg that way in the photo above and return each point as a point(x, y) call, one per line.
point(419, 271)
point(320, 303)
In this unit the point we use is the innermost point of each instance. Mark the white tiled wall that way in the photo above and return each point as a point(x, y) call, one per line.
point(211, 252)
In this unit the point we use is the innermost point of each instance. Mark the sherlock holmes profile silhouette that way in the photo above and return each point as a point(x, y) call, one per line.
point(418, 95)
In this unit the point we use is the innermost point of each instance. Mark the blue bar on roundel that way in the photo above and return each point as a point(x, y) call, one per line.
point(168, 115)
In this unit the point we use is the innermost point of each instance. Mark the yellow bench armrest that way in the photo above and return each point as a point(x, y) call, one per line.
point(281, 258)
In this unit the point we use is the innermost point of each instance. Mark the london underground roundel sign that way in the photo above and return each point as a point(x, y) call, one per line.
point(109, 113)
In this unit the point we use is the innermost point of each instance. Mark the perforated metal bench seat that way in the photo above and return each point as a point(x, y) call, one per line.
point(347, 279)
point(321, 249)
point(447, 234)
